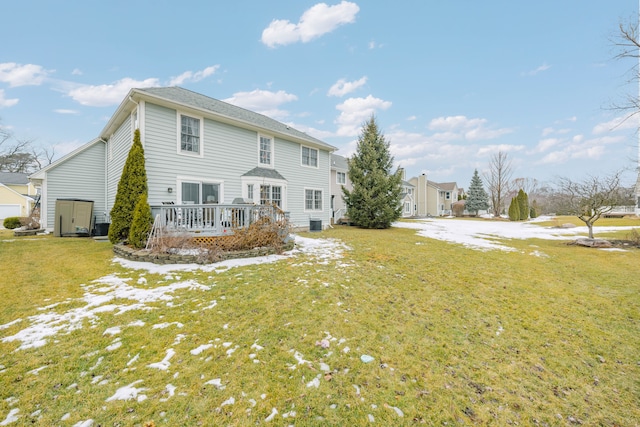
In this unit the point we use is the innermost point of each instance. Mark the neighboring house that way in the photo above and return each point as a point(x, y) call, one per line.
point(197, 150)
point(407, 200)
point(17, 195)
point(339, 179)
point(432, 198)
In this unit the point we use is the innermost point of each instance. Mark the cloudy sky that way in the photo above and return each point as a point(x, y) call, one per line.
point(450, 83)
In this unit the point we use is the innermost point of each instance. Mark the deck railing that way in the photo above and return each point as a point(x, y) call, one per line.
point(212, 220)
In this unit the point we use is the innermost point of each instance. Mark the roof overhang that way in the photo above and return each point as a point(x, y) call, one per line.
point(135, 96)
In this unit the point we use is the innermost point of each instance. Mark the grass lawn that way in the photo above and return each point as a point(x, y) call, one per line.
point(456, 336)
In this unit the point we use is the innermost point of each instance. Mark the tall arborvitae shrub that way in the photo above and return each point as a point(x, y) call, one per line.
point(141, 224)
point(477, 197)
point(374, 201)
point(514, 210)
point(523, 205)
point(133, 183)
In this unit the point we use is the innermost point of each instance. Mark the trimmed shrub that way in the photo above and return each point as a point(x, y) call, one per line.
point(514, 210)
point(12, 222)
point(141, 224)
point(133, 183)
point(523, 205)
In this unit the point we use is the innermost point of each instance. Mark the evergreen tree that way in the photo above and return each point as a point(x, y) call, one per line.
point(514, 210)
point(477, 197)
point(533, 212)
point(141, 224)
point(523, 205)
point(133, 183)
point(374, 201)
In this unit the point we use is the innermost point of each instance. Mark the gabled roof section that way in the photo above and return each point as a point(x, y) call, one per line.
point(265, 173)
point(220, 110)
point(14, 178)
point(448, 186)
point(339, 162)
point(41, 173)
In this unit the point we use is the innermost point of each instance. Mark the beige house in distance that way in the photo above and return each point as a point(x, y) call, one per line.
point(17, 195)
point(432, 198)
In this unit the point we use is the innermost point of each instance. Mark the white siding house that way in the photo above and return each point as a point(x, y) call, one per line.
point(201, 150)
point(339, 179)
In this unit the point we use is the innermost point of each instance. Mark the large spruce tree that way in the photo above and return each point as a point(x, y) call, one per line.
point(133, 183)
point(477, 197)
point(374, 201)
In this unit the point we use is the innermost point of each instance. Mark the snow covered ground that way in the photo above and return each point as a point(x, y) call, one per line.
point(490, 235)
point(113, 294)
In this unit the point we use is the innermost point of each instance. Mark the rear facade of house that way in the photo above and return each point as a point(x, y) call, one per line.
point(197, 150)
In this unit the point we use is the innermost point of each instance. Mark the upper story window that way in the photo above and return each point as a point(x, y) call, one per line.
point(448, 195)
point(341, 177)
point(190, 135)
point(265, 150)
point(309, 157)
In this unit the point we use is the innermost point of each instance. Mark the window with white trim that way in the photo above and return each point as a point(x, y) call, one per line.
point(190, 135)
point(309, 157)
point(407, 207)
point(271, 194)
point(193, 192)
point(250, 191)
point(341, 177)
point(265, 150)
point(312, 200)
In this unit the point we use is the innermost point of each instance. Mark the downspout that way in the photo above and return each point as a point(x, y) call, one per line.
point(106, 179)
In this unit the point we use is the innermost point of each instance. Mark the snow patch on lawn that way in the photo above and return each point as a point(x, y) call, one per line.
point(491, 235)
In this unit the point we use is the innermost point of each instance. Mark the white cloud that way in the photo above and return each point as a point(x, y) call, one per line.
point(540, 69)
point(4, 102)
point(190, 76)
point(617, 124)
point(263, 101)
point(546, 144)
point(412, 118)
point(343, 87)
point(354, 112)
point(63, 111)
point(111, 94)
point(76, 72)
point(314, 22)
point(505, 148)
point(455, 123)
point(456, 127)
point(22, 75)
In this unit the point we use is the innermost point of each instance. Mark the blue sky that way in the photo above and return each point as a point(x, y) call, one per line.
point(450, 82)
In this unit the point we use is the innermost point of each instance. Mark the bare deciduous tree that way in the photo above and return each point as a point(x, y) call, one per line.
point(19, 155)
point(627, 45)
point(590, 198)
point(499, 181)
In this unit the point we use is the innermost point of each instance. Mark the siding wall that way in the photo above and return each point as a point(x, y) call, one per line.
point(117, 151)
point(228, 153)
point(80, 177)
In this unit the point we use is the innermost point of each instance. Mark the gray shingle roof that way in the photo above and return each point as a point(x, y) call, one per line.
point(265, 173)
point(15, 178)
point(203, 102)
point(339, 162)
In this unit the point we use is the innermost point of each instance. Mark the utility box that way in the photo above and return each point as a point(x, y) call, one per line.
point(315, 224)
point(73, 218)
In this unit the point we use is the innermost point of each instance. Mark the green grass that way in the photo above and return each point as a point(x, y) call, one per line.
point(458, 336)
